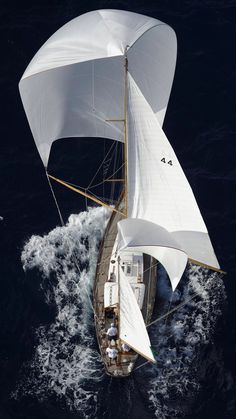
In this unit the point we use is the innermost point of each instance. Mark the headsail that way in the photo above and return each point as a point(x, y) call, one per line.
point(132, 327)
point(146, 237)
point(158, 189)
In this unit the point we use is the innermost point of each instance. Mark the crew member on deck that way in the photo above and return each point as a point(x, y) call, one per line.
point(112, 354)
point(125, 347)
point(112, 332)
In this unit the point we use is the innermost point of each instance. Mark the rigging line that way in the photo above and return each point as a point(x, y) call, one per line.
point(147, 362)
point(86, 201)
point(101, 164)
point(93, 186)
point(80, 187)
point(84, 194)
point(100, 183)
point(173, 309)
point(101, 199)
point(148, 290)
point(75, 185)
point(61, 218)
point(55, 199)
point(114, 152)
point(86, 190)
point(73, 257)
point(166, 315)
point(110, 159)
point(120, 158)
point(168, 311)
point(112, 194)
point(98, 197)
point(142, 365)
point(92, 195)
point(150, 267)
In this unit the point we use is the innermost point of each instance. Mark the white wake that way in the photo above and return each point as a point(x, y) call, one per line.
point(180, 342)
point(66, 362)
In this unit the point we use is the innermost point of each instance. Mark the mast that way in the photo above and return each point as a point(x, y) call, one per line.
point(126, 171)
point(118, 306)
point(125, 133)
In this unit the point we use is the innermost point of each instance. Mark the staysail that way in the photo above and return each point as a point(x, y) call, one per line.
point(159, 193)
point(131, 324)
point(150, 238)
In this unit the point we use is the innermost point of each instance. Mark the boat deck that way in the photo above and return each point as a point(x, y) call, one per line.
point(103, 319)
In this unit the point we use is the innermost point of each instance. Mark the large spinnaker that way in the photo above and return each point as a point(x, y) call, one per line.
point(74, 86)
point(132, 329)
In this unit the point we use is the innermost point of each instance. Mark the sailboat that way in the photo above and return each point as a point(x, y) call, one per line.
point(108, 74)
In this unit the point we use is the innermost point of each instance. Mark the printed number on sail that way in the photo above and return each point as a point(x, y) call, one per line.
point(169, 162)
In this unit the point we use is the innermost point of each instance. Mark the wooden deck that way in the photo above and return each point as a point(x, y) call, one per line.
point(126, 360)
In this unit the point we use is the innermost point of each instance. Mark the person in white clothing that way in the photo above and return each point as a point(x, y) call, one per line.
point(112, 354)
point(112, 332)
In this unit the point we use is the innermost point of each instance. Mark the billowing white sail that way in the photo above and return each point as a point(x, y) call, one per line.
point(158, 192)
point(75, 83)
point(146, 237)
point(132, 327)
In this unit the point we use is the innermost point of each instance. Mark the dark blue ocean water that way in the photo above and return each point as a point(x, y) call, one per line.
point(196, 372)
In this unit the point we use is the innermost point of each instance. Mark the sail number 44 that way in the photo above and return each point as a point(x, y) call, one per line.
point(168, 162)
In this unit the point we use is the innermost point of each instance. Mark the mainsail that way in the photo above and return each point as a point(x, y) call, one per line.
point(160, 195)
point(132, 327)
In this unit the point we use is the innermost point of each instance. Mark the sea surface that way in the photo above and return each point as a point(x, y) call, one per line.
point(49, 362)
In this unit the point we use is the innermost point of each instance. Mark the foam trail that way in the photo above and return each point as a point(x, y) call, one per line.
point(66, 362)
point(180, 342)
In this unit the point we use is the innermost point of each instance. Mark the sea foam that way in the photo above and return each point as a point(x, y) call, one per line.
point(67, 365)
point(181, 341)
point(66, 361)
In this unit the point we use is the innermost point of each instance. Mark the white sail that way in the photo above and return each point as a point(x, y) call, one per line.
point(132, 327)
point(158, 190)
point(75, 83)
point(152, 239)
